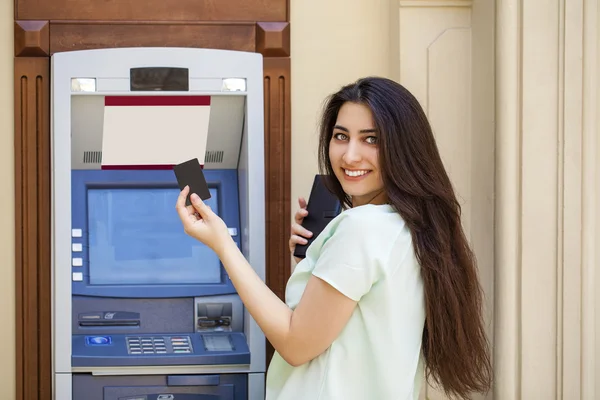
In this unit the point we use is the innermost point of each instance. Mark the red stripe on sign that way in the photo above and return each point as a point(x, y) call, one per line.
point(157, 101)
point(153, 167)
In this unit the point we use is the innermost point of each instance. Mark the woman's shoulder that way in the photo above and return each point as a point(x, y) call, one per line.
point(370, 214)
point(372, 220)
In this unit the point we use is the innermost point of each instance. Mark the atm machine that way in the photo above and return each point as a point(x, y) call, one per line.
point(141, 311)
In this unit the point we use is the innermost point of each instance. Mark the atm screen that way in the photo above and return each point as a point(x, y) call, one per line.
point(136, 238)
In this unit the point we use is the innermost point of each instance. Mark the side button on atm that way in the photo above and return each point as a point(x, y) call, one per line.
point(77, 276)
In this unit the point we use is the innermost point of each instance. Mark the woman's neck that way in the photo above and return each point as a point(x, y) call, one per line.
point(378, 198)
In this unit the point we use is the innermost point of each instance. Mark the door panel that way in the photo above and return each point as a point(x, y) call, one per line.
point(445, 58)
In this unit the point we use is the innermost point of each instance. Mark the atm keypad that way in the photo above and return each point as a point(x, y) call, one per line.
point(159, 345)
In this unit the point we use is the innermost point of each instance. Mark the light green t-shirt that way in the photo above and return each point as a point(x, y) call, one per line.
point(366, 253)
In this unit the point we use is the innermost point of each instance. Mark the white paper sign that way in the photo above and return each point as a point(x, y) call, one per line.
point(154, 132)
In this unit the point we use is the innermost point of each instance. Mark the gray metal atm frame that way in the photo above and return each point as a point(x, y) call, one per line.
point(110, 69)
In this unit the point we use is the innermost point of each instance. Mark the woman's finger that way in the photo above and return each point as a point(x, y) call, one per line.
point(302, 202)
point(299, 230)
point(298, 239)
point(182, 210)
point(300, 214)
point(294, 240)
point(200, 206)
point(191, 210)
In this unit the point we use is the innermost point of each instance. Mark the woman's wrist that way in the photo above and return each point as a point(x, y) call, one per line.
point(226, 246)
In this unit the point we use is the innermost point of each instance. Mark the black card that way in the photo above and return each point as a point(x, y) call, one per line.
point(322, 207)
point(190, 174)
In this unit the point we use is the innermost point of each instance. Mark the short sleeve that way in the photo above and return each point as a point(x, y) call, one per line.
point(354, 256)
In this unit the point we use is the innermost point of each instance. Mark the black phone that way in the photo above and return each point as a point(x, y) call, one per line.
point(189, 173)
point(322, 207)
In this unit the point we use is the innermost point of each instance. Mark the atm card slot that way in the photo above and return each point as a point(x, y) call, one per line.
point(88, 324)
point(109, 319)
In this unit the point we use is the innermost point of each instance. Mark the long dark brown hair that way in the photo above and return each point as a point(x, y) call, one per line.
point(455, 346)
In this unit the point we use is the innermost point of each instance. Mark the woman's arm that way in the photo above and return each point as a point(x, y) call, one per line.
point(299, 335)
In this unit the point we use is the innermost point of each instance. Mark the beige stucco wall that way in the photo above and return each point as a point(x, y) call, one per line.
point(517, 126)
point(7, 263)
point(333, 43)
point(511, 90)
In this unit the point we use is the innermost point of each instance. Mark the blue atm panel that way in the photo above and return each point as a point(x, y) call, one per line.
point(148, 290)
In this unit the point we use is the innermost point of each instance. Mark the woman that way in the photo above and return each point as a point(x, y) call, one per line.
point(389, 289)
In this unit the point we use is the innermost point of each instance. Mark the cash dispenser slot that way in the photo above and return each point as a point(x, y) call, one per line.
point(180, 396)
point(193, 380)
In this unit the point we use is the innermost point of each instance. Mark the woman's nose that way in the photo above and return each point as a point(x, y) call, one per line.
point(352, 153)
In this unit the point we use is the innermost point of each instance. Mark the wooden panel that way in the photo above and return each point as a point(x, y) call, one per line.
point(273, 39)
point(278, 173)
point(32, 38)
point(67, 36)
point(32, 223)
point(157, 10)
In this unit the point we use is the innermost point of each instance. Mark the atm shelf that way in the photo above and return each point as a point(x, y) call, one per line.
point(140, 350)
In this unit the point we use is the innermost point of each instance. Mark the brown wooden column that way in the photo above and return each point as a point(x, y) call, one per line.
point(32, 210)
point(278, 179)
point(273, 41)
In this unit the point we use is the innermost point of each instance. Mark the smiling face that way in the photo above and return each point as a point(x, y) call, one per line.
point(353, 153)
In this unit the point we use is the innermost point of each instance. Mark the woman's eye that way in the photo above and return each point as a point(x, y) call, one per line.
point(339, 136)
point(372, 140)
